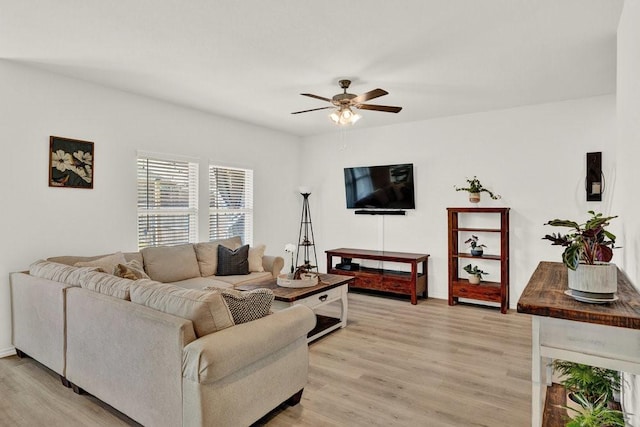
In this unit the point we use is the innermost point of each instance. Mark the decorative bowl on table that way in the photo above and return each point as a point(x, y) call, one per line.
point(306, 280)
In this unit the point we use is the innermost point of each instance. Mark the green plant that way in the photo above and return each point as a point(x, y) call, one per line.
point(473, 242)
point(474, 270)
point(595, 414)
point(588, 242)
point(588, 381)
point(474, 186)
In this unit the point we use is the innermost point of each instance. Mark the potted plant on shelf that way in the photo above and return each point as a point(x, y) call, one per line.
point(596, 414)
point(591, 393)
point(476, 249)
point(588, 251)
point(474, 188)
point(475, 274)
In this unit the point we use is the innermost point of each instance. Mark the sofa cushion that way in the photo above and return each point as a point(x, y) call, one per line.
point(170, 263)
point(59, 272)
point(249, 278)
point(247, 306)
point(233, 262)
point(107, 263)
point(132, 270)
point(107, 284)
point(203, 282)
point(207, 310)
point(255, 258)
point(72, 259)
point(207, 253)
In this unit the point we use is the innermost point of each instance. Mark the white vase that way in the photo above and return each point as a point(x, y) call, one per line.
point(474, 279)
point(474, 197)
point(601, 278)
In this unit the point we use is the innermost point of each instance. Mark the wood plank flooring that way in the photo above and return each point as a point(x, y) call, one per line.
point(394, 365)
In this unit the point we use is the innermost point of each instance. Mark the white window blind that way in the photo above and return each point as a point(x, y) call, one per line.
point(167, 201)
point(230, 203)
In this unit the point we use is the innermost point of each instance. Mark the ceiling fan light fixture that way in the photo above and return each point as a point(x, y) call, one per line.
point(344, 116)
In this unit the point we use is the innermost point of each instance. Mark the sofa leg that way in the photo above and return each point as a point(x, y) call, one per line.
point(295, 399)
point(65, 382)
point(76, 389)
point(21, 354)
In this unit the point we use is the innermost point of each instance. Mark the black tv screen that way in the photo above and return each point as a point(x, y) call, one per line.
point(380, 187)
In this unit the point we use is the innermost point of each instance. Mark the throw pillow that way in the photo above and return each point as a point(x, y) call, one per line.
point(207, 253)
point(247, 306)
point(232, 262)
point(107, 263)
point(171, 263)
point(255, 258)
point(207, 310)
point(131, 270)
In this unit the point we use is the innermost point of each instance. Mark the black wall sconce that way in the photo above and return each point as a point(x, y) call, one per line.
point(594, 182)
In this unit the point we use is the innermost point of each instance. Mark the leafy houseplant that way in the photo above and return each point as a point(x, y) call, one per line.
point(476, 249)
point(474, 188)
point(475, 274)
point(590, 246)
point(595, 414)
point(587, 243)
point(593, 389)
point(590, 382)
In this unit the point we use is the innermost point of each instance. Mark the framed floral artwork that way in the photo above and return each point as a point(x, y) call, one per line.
point(70, 163)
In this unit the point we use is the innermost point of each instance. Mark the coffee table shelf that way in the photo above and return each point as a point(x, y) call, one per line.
point(330, 289)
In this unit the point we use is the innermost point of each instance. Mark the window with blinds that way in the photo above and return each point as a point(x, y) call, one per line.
point(230, 203)
point(167, 201)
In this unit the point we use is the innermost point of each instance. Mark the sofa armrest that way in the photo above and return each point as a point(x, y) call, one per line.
point(217, 355)
point(38, 319)
point(273, 264)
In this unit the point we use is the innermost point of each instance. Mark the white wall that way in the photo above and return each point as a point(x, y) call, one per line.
point(38, 221)
point(626, 201)
point(533, 156)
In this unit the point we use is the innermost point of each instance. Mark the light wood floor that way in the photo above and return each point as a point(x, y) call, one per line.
point(394, 365)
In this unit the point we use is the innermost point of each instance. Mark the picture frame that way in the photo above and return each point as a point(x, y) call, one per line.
point(71, 163)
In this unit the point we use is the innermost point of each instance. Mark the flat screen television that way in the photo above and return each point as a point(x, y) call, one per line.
point(380, 187)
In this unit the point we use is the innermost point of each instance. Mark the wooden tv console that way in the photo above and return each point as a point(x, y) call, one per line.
point(380, 279)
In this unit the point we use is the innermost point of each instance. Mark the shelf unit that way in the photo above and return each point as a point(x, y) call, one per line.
point(486, 290)
point(410, 283)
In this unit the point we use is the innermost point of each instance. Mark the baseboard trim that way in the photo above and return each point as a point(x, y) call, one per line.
point(7, 352)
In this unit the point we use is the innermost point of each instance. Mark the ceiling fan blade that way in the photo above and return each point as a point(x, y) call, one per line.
point(385, 108)
point(313, 109)
point(369, 95)
point(316, 96)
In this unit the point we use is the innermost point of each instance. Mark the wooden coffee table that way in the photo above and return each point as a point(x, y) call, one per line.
point(331, 288)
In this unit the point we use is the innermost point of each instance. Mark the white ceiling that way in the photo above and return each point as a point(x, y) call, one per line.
point(251, 59)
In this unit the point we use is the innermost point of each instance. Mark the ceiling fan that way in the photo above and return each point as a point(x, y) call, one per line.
point(344, 102)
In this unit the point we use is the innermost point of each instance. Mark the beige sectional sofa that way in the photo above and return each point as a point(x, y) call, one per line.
point(163, 354)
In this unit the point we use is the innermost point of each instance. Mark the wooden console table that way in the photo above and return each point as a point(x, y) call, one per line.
point(603, 335)
point(400, 282)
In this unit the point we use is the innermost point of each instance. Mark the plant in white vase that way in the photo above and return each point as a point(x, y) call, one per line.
point(474, 188)
point(290, 248)
point(588, 249)
point(475, 274)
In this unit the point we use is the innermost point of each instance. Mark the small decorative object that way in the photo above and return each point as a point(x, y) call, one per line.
point(475, 274)
point(474, 189)
point(290, 248)
point(588, 251)
point(476, 249)
point(71, 163)
point(305, 280)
